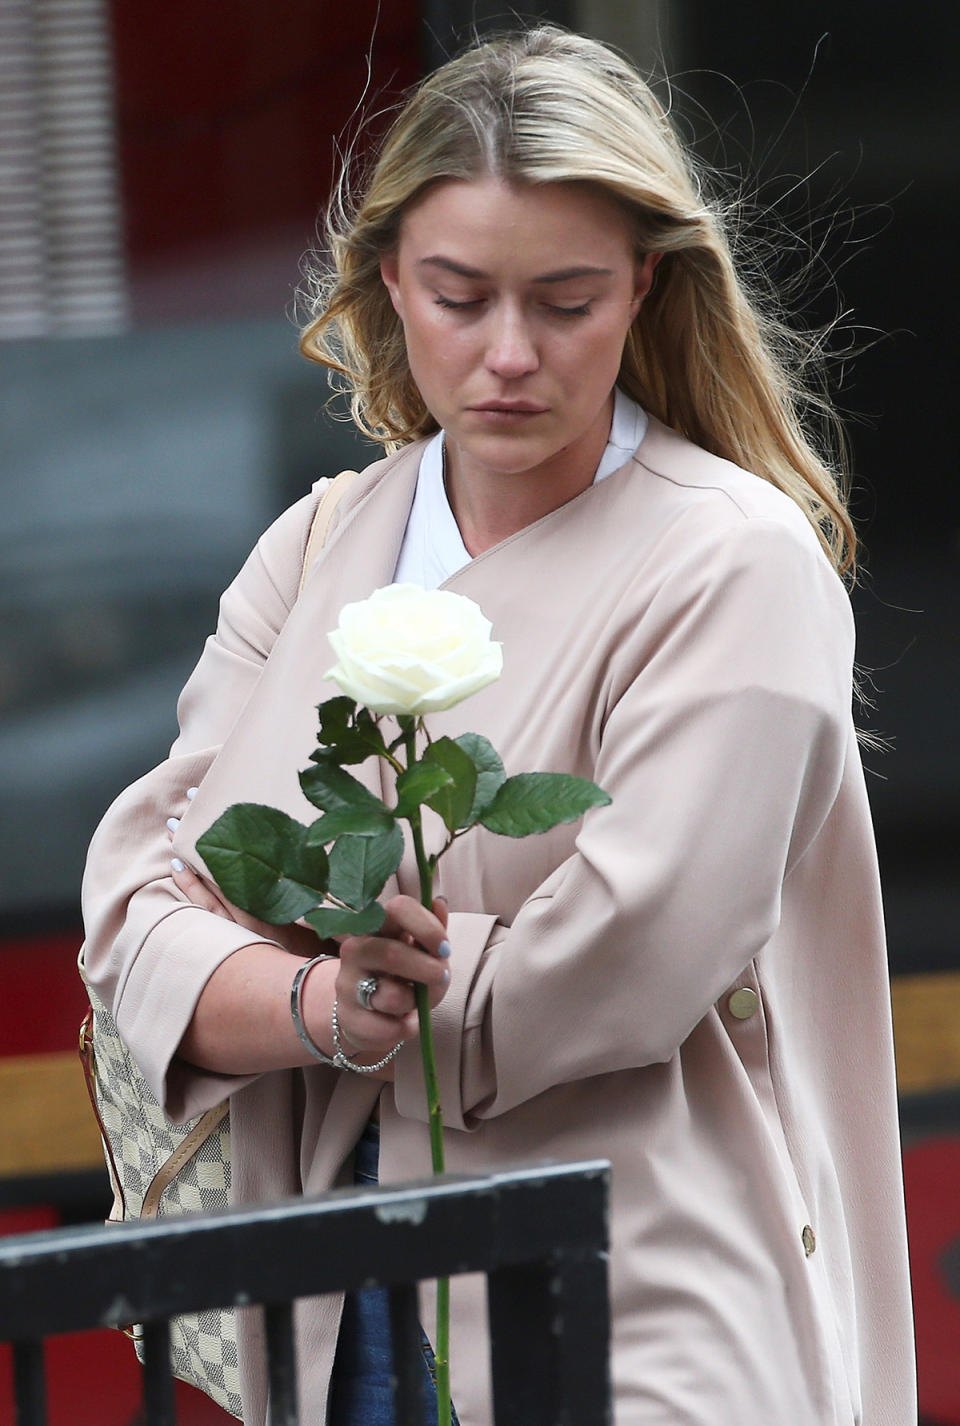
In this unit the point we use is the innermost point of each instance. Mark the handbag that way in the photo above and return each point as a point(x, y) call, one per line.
point(157, 1168)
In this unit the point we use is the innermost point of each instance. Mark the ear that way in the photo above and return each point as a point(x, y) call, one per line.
point(643, 278)
point(390, 273)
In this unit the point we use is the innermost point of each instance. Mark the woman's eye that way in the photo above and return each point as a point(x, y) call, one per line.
point(469, 305)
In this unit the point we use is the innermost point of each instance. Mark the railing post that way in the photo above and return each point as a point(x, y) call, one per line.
point(29, 1384)
point(407, 1355)
point(158, 1397)
point(557, 1368)
point(281, 1364)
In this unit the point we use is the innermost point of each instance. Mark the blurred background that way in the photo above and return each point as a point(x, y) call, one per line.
point(161, 172)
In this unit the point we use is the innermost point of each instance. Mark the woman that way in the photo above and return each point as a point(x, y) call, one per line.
point(599, 443)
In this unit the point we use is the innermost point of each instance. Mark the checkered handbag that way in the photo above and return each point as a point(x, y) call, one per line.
point(158, 1168)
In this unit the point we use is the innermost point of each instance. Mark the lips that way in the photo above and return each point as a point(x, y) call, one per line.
point(509, 408)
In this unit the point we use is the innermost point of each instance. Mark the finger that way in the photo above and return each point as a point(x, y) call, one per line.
point(392, 1015)
point(174, 822)
point(379, 955)
point(374, 1035)
point(369, 1031)
point(405, 915)
point(391, 997)
point(196, 890)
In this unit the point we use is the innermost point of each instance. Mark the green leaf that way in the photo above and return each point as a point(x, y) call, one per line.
point(454, 801)
point(490, 771)
point(537, 801)
point(331, 921)
point(355, 743)
point(335, 715)
point(348, 750)
point(367, 727)
point(331, 789)
point(417, 784)
point(349, 821)
point(260, 860)
point(359, 866)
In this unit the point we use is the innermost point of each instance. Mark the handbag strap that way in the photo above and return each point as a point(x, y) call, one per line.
point(317, 538)
point(88, 1063)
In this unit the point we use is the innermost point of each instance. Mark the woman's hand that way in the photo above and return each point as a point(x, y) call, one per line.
point(197, 890)
point(192, 886)
point(411, 946)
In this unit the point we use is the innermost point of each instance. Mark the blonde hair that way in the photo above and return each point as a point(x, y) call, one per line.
point(704, 355)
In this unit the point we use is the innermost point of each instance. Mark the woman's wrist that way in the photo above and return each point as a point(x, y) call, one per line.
point(314, 1013)
point(314, 997)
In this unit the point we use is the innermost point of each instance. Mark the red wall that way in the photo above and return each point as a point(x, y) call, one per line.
point(228, 113)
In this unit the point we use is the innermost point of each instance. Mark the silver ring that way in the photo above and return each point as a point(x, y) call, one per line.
point(366, 990)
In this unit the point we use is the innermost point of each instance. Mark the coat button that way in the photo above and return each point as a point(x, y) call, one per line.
point(809, 1240)
point(743, 1003)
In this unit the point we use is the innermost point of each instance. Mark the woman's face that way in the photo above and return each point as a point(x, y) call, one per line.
point(515, 305)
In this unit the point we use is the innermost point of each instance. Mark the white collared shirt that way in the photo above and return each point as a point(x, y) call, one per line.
point(433, 547)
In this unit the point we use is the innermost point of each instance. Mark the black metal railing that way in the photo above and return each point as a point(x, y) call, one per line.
point(539, 1234)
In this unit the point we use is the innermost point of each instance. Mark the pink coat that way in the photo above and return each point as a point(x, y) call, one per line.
point(691, 982)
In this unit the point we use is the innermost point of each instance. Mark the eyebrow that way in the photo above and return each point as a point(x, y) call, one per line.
point(564, 274)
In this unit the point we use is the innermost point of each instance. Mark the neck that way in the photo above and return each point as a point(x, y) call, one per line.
point(491, 505)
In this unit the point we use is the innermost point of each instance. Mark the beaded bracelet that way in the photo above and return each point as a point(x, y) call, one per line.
point(343, 1061)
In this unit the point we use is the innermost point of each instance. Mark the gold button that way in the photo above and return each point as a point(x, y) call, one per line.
point(809, 1240)
point(743, 1003)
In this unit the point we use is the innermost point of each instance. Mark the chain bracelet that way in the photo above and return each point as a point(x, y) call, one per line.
point(343, 1061)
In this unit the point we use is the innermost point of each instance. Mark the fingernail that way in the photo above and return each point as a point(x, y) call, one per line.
point(191, 793)
point(444, 950)
point(445, 978)
point(177, 864)
point(173, 823)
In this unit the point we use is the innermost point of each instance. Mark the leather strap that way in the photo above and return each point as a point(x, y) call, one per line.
point(317, 538)
point(89, 1078)
point(201, 1131)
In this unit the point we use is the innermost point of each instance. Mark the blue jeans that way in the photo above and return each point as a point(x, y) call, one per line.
point(361, 1389)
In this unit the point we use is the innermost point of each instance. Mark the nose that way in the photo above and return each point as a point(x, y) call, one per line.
point(511, 350)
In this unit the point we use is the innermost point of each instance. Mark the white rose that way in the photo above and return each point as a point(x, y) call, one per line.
point(411, 650)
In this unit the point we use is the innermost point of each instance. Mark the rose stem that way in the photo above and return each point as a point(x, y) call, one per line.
point(442, 1354)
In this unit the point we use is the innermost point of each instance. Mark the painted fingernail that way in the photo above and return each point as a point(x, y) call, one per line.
point(445, 978)
point(177, 864)
point(191, 793)
point(173, 823)
point(444, 950)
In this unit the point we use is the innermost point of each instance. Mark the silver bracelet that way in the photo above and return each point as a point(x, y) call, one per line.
point(296, 1011)
point(343, 1061)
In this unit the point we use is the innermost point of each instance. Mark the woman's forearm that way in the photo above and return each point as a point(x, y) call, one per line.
point(242, 1022)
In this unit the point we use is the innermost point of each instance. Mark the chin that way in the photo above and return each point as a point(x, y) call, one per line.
point(508, 455)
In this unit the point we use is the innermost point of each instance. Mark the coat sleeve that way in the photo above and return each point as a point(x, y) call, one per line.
point(726, 729)
point(148, 951)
